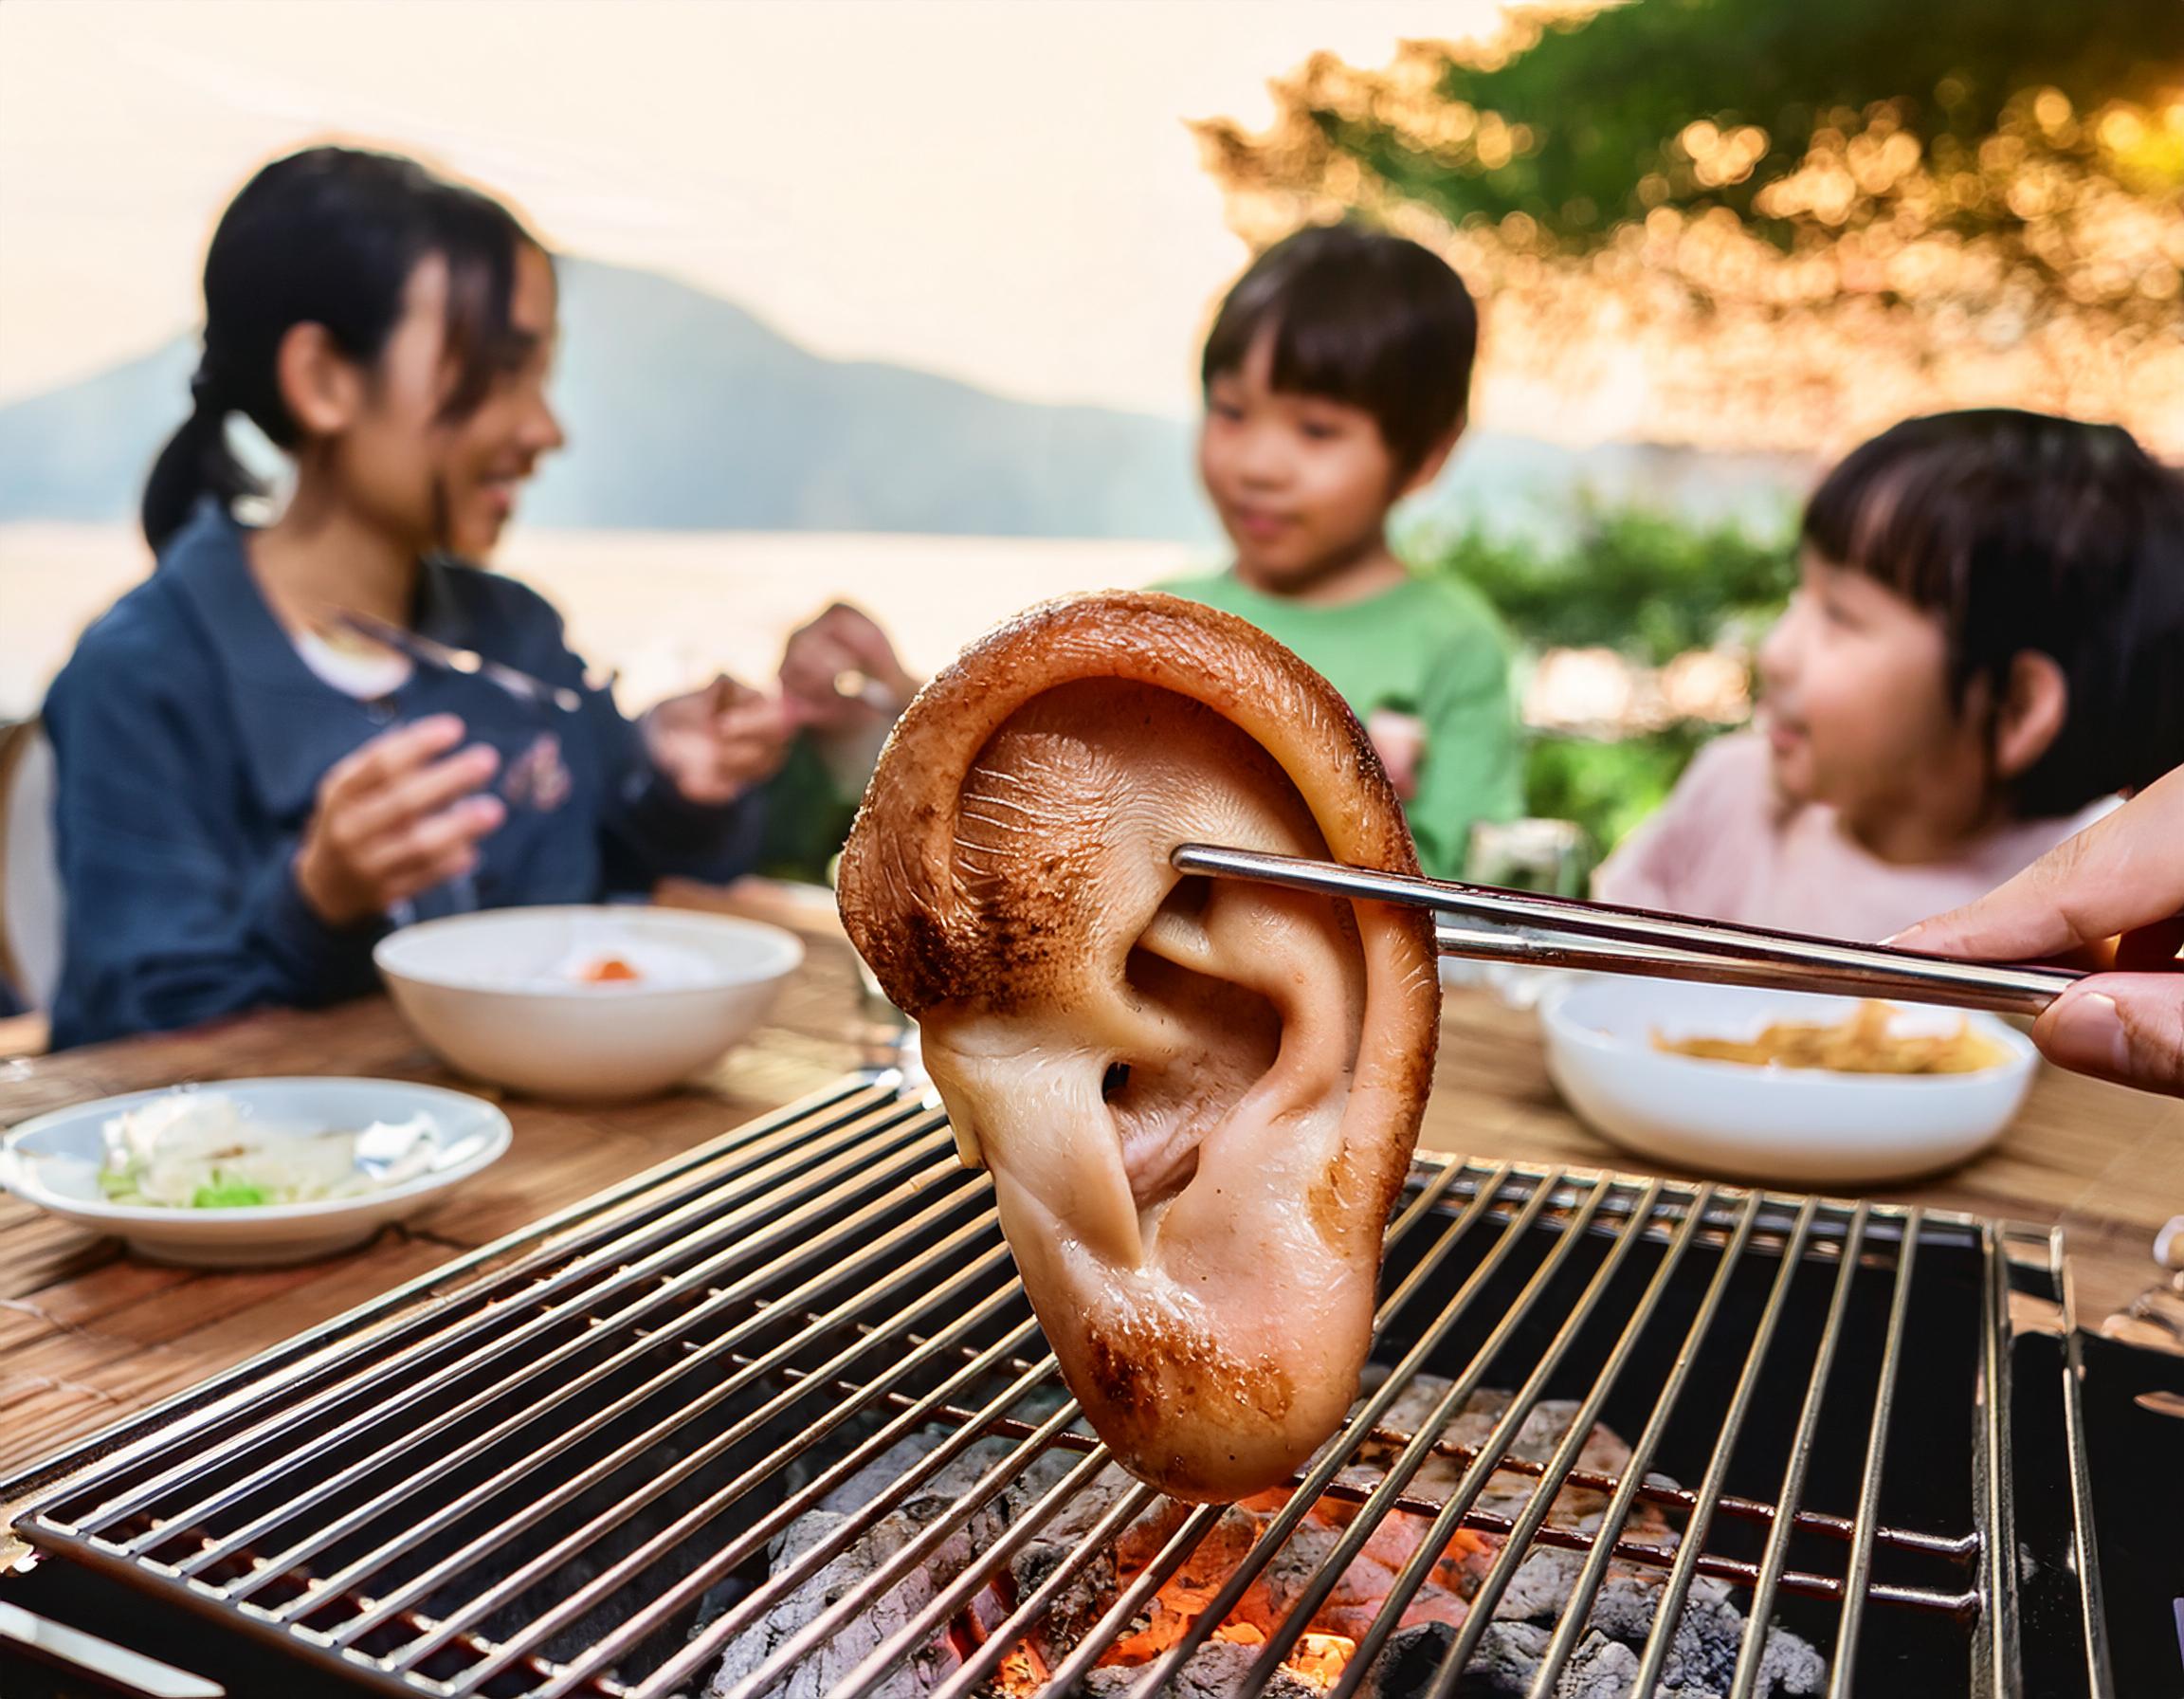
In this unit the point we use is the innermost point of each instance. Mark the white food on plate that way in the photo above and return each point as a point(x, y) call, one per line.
point(203, 1150)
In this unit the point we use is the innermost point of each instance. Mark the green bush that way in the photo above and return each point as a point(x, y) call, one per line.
point(1644, 582)
point(1607, 787)
point(1639, 582)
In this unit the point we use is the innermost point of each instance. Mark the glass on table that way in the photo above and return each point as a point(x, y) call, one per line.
point(1551, 857)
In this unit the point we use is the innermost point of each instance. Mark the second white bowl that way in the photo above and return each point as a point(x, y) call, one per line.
point(496, 993)
point(1807, 1127)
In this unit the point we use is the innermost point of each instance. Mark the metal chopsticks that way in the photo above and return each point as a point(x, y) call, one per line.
point(430, 651)
point(1490, 924)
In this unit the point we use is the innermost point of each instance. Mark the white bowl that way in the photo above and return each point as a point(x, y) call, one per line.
point(1805, 1127)
point(53, 1161)
point(494, 994)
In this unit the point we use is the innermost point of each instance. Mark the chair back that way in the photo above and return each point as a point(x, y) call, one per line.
point(31, 902)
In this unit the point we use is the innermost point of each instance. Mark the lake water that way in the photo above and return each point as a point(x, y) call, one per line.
point(669, 609)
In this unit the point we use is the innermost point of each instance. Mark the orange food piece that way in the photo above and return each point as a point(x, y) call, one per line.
point(609, 970)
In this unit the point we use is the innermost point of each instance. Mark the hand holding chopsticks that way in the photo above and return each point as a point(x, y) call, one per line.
point(2122, 877)
point(1540, 931)
point(2122, 880)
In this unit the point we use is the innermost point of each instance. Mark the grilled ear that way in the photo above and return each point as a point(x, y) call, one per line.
point(1152, 1005)
point(1197, 1099)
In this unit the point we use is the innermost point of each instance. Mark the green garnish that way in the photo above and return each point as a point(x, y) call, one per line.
point(228, 1194)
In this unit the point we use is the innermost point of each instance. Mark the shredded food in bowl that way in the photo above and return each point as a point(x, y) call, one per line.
point(1859, 1044)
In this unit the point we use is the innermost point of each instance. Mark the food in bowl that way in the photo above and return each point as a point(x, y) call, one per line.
point(205, 1151)
point(585, 1003)
point(1815, 1129)
point(607, 950)
point(1865, 1042)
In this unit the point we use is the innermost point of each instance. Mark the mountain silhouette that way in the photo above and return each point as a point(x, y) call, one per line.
point(685, 411)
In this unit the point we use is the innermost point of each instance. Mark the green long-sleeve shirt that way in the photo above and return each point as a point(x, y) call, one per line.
point(1432, 648)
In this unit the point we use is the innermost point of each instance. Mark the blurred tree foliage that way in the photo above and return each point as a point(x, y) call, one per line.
point(1607, 787)
point(1808, 219)
point(1645, 583)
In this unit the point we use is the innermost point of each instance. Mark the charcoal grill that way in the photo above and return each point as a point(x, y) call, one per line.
point(554, 1468)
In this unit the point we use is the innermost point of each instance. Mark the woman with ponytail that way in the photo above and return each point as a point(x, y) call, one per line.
point(246, 801)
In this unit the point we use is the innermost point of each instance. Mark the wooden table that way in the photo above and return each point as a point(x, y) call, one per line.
point(88, 1334)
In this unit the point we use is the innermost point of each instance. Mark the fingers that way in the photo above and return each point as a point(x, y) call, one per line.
point(438, 850)
point(2124, 1027)
point(725, 693)
point(430, 837)
point(397, 817)
point(840, 640)
point(418, 792)
point(2122, 873)
point(865, 640)
point(749, 742)
point(811, 665)
point(391, 755)
point(742, 703)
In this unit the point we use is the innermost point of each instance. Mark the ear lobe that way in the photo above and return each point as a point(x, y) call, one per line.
point(2033, 714)
point(320, 384)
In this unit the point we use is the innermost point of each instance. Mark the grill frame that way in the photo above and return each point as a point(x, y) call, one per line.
point(826, 1142)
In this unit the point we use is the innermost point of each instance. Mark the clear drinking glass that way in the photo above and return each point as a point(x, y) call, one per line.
point(1549, 856)
point(1552, 857)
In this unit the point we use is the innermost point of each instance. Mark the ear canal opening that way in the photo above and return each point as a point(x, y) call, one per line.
point(1219, 1040)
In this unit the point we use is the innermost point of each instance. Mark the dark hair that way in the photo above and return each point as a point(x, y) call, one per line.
point(329, 236)
point(2029, 533)
point(1361, 316)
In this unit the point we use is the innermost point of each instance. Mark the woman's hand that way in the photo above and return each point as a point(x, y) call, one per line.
point(394, 819)
point(2109, 897)
point(827, 653)
point(716, 743)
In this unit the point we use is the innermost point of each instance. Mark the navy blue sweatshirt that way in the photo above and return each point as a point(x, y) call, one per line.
point(189, 739)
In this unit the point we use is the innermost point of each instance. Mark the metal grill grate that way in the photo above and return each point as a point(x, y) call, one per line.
point(559, 1468)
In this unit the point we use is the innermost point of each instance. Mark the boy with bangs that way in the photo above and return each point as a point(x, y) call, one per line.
point(1983, 652)
point(1337, 377)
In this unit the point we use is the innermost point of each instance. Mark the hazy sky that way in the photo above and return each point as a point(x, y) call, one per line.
point(1003, 191)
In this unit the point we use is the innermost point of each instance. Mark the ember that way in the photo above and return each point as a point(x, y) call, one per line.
point(1322, 1657)
point(1021, 1673)
point(1224, 1657)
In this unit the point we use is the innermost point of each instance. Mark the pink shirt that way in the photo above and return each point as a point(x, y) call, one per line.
point(1725, 847)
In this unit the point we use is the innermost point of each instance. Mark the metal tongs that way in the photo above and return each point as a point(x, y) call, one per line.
point(1490, 924)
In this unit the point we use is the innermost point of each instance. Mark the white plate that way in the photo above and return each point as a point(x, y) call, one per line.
point(1805, 1127)
point(53, 1161)
point(494, 994)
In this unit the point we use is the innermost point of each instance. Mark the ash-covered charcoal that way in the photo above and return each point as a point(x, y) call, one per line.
point(1216, 1671)
point(1087, 1596)
point(1602, 1665)
point(1507, 1493)
point(1703, 1661)
point(849, 1571)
